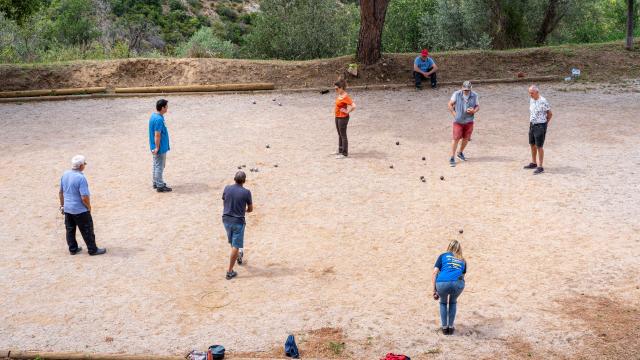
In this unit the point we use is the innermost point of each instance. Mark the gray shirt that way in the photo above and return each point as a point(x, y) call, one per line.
point(462, 103)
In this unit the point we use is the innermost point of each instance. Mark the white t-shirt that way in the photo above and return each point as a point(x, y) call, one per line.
point(538, 110)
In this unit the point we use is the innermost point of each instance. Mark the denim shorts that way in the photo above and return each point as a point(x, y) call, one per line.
point(235, 234)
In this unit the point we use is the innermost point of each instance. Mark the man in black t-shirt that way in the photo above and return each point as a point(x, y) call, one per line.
point(237, 201)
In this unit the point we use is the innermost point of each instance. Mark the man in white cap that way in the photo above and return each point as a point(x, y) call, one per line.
point(463, 105)
point(76, 207)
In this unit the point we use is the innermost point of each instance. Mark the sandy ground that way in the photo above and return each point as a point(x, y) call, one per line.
point(347, 246)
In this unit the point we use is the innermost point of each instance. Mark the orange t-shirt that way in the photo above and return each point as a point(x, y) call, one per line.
point(341, 103)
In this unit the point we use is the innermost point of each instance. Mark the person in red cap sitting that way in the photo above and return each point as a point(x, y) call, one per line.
point(424, 67)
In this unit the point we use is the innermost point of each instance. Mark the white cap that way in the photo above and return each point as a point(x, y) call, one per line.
point(77, 161)
point(466, 85)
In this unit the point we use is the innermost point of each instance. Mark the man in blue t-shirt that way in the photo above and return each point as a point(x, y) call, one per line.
point(237, 200)
point(159, 144)
point(76, 207)
point(424, 67)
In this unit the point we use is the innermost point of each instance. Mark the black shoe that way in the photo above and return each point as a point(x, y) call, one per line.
point(99, 251)
point(164, 189)
point(418, 87)
point(79, 249)
point(231, 275)
point(538, 171)
point(445, 330)
point(434, 86)
point(451, 330)
point(530, 166)
point(155, 186)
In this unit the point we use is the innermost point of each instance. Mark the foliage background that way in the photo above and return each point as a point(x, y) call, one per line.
point(62, 30)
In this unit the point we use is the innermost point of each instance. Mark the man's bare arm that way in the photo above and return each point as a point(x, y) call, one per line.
point(86, 202)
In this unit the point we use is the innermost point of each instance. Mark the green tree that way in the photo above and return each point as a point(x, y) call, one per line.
point(403, 26)
point(73, 22)
point(19, 10)
point(302, 29)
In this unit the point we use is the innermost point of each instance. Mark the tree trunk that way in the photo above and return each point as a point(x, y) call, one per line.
point(372, 13)
point(551, 19)
point(629, 25)
point(498, 25)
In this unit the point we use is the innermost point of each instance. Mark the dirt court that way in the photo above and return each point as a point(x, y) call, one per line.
point(338, 252)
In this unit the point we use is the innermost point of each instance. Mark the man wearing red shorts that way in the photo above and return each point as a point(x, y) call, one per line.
point(463, 106)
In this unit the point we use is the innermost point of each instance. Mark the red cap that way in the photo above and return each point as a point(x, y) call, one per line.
point(424, 52)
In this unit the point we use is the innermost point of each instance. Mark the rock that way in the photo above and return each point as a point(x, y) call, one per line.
point(424, 158)
point(324, 92)
point(239, 167)
point(253, 102)
point(390, 166)
point(397, 142)
point(274, 99)
point(424, 180)
point(268, 146)
point(275, 165)
point(244, 166)
point(460, 231)
point(279, 104)
point(255, 170)
point(441, 177)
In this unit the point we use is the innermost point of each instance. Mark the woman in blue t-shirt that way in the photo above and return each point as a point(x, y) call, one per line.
point(448, 283)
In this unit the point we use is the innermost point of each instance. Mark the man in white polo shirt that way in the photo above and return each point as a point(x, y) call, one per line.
point(539, 118)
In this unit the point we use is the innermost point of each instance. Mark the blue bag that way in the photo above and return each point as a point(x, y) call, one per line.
point(217, 351)
point(290, 348)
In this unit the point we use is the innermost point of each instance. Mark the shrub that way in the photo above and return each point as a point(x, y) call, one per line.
point(402, 26)
point(205, 44)
point(73, 21)
point(227, 13)
point(460, 24)
point(302, 29)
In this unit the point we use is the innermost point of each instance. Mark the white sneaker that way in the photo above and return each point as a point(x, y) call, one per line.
point(340, 156)
point(240, 256)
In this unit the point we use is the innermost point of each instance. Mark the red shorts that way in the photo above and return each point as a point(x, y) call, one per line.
point(462, 131)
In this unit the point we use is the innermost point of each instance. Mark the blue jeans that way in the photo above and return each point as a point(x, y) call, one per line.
point(235, 234)
point(449, 292)
point(159, 160)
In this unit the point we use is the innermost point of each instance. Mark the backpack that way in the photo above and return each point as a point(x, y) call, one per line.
point(391, 356)
point(290, 348)
point(215, 352)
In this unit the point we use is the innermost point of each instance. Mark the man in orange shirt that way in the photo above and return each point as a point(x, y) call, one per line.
point(344, 106)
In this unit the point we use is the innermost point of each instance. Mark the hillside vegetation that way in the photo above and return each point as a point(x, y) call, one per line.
point(36, 31)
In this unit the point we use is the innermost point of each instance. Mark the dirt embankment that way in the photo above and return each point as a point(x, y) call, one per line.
point(598, 62)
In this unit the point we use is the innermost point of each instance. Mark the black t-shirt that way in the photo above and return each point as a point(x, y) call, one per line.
point(236, 198)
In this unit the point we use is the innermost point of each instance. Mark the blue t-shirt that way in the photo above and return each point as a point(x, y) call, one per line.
point(156, 123)
point(236, 198)
point(74, 186)
point(424, 65)
point(451, 268)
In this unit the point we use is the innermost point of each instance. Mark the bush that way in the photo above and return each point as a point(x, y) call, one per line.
point(459, 24)
point(302, 29)
point(402, 26)
point(227, 13)
point(73, 22)
point(205, 44)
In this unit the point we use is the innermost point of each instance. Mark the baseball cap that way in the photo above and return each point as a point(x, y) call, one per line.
point(424, 52)
point(466, 85)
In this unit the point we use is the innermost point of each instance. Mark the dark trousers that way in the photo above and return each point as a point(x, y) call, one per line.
point(84, 222)
point(343, 143)
point(419, 77)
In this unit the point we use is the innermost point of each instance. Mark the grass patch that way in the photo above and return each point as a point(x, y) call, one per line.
point(336, 347)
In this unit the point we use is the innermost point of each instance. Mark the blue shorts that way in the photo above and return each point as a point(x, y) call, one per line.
point(235, 234)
